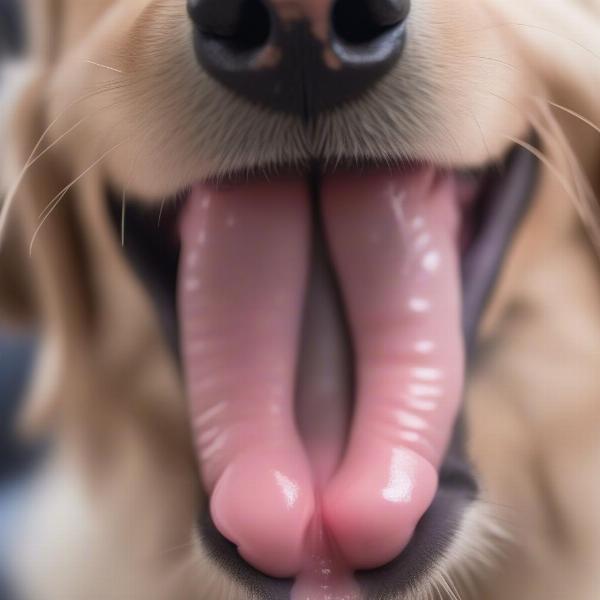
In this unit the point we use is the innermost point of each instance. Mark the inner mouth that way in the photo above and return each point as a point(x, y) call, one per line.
point(252, 361)
point(324, 325)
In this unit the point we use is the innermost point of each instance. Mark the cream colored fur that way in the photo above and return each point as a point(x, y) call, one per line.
point(113, 516)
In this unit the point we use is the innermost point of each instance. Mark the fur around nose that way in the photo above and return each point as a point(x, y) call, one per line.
point(298, 56)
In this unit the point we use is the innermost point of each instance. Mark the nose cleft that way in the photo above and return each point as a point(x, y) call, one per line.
point(293, 57)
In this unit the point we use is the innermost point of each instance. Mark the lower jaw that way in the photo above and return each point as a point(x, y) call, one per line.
point(322, 564)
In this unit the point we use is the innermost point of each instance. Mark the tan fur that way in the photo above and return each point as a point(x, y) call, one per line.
point(113, 517)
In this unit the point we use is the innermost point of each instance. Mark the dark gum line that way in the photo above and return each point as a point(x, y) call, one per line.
point(479, 279)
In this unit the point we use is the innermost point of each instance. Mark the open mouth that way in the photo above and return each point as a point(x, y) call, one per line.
point(324, 324)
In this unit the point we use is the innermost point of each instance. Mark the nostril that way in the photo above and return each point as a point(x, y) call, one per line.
point(357, 22)
point(240, 25)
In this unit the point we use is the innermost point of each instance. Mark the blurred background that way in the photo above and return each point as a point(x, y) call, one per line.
point(10, 28)
point(16, 347)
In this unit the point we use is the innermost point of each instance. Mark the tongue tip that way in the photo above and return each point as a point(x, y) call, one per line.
point(373, 518)
point(265, 513)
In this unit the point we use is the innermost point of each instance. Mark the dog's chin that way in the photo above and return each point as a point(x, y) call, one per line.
point(450, 538)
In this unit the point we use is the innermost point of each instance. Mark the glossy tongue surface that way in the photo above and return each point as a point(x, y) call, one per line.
point(272, 373)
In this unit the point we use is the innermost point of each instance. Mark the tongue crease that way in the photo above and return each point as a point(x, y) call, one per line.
point(301, 482)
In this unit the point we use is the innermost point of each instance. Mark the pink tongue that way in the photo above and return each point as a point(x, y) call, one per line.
point(243, 272)
point(394, 246)
point(243, 283)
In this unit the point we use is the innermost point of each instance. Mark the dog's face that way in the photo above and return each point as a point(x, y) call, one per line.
point(449, 98)
point(295, 212)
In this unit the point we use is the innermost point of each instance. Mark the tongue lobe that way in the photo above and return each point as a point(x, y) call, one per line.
point(241, 290)
point(243, 280)
point(394, 245)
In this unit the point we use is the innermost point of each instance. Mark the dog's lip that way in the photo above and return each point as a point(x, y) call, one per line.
point(325, 167)
point(503, 201)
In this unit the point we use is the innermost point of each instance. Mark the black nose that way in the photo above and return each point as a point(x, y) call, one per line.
point(298, 56)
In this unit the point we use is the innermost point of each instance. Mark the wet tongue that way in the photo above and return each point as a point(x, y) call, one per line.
point(243, 271)
point(394, 242)
point(327, 500)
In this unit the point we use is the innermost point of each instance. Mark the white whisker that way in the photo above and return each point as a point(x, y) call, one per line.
point(574, 114)
point(10, 197)
point(123, 211)
point(56, 200)
point(97, 64)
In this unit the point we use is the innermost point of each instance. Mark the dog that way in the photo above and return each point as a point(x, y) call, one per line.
point(130, 119)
